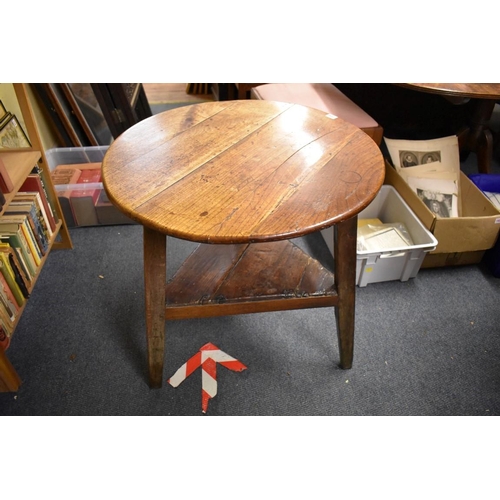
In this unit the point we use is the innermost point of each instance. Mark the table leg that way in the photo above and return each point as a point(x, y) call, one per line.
point(485, 151)
point(477, 136)
point(9, 379)
point(155, 265)
point(345, 277)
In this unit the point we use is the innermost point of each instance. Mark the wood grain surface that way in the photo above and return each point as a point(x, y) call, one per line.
point(242, 171)
point(473, 90)
point(234, 279)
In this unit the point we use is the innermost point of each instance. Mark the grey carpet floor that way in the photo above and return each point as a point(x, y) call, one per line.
point(429, 346)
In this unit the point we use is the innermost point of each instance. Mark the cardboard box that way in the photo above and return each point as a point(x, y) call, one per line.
point(397, 263)
point(84, 204)
point(461, 240)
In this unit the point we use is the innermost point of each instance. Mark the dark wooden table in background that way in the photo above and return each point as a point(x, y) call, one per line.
point(243, 178)
point(475, 136)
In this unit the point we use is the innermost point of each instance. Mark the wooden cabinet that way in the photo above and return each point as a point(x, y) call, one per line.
point(19, 163)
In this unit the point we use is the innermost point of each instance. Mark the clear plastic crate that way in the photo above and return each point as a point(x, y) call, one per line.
point(398, 263)
point(94, 210)
point(71, 156)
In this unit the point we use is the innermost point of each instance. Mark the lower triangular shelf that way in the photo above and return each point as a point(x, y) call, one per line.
point(234, 279)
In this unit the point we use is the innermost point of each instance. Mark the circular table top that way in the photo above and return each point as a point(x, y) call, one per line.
point(242, 171)
point(471, 90)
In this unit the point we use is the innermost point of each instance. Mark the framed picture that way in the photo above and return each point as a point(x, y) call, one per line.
point(75, 109)
point(72, 125)
point(64, 138)
point(3, 111)
point(63, 109)
point(12, 134)
point(86, 100)
point(5, 118)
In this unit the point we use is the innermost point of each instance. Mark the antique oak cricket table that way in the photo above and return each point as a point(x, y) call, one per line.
point(243, 178)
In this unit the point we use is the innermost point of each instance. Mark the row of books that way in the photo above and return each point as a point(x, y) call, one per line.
point(81, 196)
point(27, 226)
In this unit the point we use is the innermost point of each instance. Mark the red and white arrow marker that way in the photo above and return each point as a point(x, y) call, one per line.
point(207, 357)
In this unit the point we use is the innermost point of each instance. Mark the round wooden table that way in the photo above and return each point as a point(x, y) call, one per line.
point(475, 135)
point(243, 178)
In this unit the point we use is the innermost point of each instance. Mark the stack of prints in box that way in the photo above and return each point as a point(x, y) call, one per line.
point(432, 169)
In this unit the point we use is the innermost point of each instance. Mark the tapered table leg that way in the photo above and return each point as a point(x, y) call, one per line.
point(345, 276)
point(155, 254)
point(477, 136)
point(9, 379)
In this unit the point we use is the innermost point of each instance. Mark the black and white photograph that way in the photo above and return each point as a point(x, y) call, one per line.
point(408, 159)
point(438, 203)
point(430, 157)
point(414, 158)
point(439, 195)
point(406, 153)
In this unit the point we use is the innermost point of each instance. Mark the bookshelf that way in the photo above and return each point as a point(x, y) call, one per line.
point(19, 164)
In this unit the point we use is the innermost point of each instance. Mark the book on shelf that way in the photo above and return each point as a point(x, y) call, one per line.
point(19, 276)
point(28, 209)
point(34, 224)
point(6, 185)
point(33, 183)
point(10, 278)
point(34, 197)
point(9, 310)
point(83, 199)
point(39, 172)
point(22, 222)
point(4, 338)
point(27, 267)
point(6, 324)
point(7, 314)
point(13, 234)
point(7, 298)
point(32, 241)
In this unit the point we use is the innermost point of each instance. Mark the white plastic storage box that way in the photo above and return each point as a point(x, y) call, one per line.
point(84, 204)
point(398, 263)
